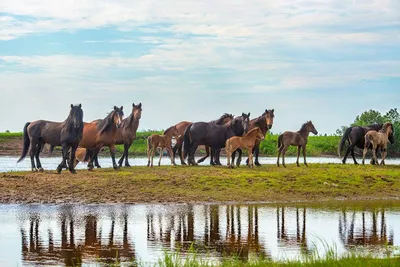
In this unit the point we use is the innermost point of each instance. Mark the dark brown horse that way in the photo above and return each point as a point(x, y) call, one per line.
point(181, 127)
point(264, 122)
point(100, 133)
point(298, 139)
point(67, 134)
point(355, 135)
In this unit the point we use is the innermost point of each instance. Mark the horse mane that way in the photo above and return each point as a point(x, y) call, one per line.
point(106, 123)
point(222, 118)
point(169, 129)
point(386, 126)
point(303, 127)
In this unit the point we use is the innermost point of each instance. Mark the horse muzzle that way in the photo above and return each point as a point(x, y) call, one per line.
point(269, 126)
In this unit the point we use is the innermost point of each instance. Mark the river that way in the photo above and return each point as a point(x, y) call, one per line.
point(56, 235)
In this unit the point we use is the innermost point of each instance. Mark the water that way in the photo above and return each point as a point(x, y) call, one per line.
point(56, 235)
point(9, 163)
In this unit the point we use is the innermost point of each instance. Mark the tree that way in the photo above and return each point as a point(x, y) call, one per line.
point(341, 131)
point(369, 117)
point(392, 116)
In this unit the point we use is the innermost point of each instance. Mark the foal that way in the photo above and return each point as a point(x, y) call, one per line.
point(378, 140)
point(161, 141)
point(298, 139)
point(248, 141)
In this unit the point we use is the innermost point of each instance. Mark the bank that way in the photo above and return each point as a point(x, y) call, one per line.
point(319, 182)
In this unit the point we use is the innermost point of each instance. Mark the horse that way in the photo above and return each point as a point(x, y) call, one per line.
point(102, 132)
point(378, 140)
point(66, 134)
point(181, 126)
point(215, 136)
point(298, 139)
point(155, 141)
point(355, 135)
point(264, 122)
point(248, 141)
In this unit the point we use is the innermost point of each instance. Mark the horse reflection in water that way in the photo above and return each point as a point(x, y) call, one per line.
point(355, 231)
point(71, 251)
point(289, 239)
point(177, 230)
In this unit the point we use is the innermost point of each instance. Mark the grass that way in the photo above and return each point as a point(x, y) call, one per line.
point(330, 258)
point(204, 184)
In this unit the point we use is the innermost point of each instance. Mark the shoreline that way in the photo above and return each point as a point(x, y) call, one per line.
point(319, 183)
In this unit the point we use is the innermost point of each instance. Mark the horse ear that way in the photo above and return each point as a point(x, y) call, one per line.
point(80, 106)
point(72, 106)
point(115, 107)
point(272, 110)
point(140, 105)
point(133, 105)
point(122, 107)
point(248, 115)
point(243, 114)
point(266, 110)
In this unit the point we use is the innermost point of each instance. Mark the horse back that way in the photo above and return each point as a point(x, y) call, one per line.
point(48, 131)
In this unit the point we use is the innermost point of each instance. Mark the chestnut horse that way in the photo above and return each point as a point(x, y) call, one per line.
point(247, 141)
point(298, 139)
point(181, 126)
point(155, 141)
point(100, 133)
point(67, 134)
point(378, 140)
point(264, 122)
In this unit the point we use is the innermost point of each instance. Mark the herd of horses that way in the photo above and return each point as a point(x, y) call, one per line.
point(82, 141)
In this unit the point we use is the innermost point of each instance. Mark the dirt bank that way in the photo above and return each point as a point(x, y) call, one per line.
point(203, 184)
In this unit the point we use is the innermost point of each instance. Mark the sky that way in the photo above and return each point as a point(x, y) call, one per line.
point(325, 61)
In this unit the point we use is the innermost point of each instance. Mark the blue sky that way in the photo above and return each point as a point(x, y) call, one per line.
point(325, 61)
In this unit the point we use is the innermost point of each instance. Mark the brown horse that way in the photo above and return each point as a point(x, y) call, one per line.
point(100, 133)
point(378, 140)
point(248, 141)
point(264, 122)
point(181, 126)
point(155, 141)
point(298, 139)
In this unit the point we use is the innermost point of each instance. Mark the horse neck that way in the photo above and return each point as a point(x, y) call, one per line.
point(260, 122)
point(69, 123)
point(108, 123)
point(251, 135)
point(168, 134)
point(133, 123)
point(304, 132)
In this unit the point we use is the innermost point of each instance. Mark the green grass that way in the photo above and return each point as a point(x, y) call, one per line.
point(330, 258)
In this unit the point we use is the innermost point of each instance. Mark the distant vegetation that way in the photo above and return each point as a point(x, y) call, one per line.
point(317, 145)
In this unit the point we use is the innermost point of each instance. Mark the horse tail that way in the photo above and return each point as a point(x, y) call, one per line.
point(27, 142)
point(186, 141)
point(280, 140)
point(343, 140)
point(148, 143)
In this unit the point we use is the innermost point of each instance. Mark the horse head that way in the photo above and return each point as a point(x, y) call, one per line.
point(388, 127)
point(76, 115)
point(137, 111)
point(269, 117)
point(118, 115)
point(240, 124)
point(311, 128)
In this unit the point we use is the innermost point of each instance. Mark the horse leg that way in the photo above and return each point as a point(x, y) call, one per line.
point(153, 152)
point(346, 154)
point(96, 160)
point(72, 159)
point(364, 154)
point(92, 158)
point(279, 155)
point(206, 156)
point(149, 149)
point(112, 153)
point(251, 162)
point(298, 155)
point(192, 151)
point(65, 150)
point(256, 150)
point(212, 155)
point(217, 157)
point(353, 156)
point(239, 159)
point(180, 154)
point(160, 151)
point(374, 156)
point(384, 152)
point(39, 149)
point(171, 155)
point(304, 155)
point(126, 153)
point(34, 144)
point(283, 156)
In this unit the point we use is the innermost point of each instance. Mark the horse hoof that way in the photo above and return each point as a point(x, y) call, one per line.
point(116, 168)
point(41, 169)
point(127, 165)
point(72, 171)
